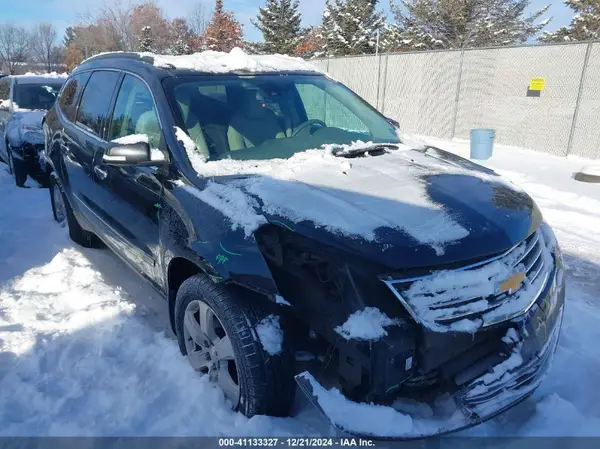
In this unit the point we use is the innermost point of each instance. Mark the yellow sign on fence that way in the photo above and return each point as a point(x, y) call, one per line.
point(537, 84)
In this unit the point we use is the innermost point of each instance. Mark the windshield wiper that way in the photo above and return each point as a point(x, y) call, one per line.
point(375, 150)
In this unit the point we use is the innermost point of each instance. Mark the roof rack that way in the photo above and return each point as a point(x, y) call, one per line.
point(123, 55)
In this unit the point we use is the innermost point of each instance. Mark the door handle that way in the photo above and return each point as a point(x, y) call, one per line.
point(100, 173)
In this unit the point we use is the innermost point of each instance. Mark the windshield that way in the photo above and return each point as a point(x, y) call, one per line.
point(266, 117)
point(36, 96)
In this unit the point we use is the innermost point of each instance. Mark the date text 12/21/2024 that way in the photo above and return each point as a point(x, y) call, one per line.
point(295, 442)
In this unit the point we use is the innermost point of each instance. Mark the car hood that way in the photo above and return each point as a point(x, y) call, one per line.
point(402, 209)
point(26, 127)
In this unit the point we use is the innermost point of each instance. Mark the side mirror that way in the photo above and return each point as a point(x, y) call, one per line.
point(128, 154)
point(393, 122)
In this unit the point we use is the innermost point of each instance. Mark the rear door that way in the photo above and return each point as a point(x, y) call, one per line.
point(59, 122)
point(84, 139)
point(131, 194)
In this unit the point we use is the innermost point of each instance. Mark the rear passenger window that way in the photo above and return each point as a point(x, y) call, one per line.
point(67, 100)
point(93, 109)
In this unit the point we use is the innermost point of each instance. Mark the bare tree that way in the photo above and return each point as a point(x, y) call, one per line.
point(109, 27)
point(14, 46)
point(198, 19)
point(43, 48)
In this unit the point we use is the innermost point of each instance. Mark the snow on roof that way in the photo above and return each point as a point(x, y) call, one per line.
point(235, 61)
point(54, 75)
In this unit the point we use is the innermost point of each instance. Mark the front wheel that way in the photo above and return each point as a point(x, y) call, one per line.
point(219, 332)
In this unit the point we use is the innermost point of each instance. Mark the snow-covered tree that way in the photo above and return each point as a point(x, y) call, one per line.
point(433, 24)
point(279, 22)
point(146, 40)
point(181, 37)
point(584, 26)
point(350, 26)
point(223, 32)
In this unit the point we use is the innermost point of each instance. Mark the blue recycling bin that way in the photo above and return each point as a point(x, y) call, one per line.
point(482, 143)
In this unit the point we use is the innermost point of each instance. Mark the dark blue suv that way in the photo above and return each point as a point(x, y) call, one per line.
point(300, 240)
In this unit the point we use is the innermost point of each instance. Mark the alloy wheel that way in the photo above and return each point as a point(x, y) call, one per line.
point(60, 210)
point(209, 348)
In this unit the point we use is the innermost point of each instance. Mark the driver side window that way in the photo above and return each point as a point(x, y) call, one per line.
point(319, 105)
point(134, 113)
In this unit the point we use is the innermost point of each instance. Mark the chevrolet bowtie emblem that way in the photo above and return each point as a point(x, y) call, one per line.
point(513, 283)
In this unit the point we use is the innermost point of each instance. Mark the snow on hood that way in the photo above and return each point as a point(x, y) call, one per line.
point(26, 126)
point(390, 190)
point(235, 61)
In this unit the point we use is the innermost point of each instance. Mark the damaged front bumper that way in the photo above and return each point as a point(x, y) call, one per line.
point(503, 386)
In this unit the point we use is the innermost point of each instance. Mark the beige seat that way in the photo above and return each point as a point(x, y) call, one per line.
point(147, 124)
point(252, 123)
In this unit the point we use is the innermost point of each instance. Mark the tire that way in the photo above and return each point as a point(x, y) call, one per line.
point(17, 169)
point(266, 382)
point(76, 232)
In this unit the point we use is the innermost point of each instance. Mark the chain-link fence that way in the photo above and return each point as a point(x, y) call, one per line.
point(447, 93)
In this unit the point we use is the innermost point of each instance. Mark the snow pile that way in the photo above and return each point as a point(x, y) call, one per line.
point(367, 324)
point(389, 190)
point(368, 419)
point(270, 334)
point(234, 61)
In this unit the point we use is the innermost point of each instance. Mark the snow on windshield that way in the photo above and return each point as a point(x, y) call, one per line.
point(235, 61)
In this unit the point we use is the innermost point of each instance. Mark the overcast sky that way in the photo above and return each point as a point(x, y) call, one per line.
point(65, 12)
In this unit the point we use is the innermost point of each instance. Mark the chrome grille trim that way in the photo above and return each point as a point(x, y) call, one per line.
point(532, 257)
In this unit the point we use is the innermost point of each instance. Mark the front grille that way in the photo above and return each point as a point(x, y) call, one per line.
point(480, 294)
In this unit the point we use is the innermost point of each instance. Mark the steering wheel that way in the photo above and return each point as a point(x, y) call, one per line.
point(309, 123)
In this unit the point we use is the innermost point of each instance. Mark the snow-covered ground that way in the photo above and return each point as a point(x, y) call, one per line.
point(85, 348)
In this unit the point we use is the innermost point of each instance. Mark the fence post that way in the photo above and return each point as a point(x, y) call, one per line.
point(379, 57)
point(456, 100)
point(588, 50)
point(385, 69)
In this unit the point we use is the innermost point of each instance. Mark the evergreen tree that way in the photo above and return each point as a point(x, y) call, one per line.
point(584, 26)
point(431, 24)
point(350, 27)
point(146, 41)
point(279, 22)
point(223, 32)
point(70, 36)
point(181, 37)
